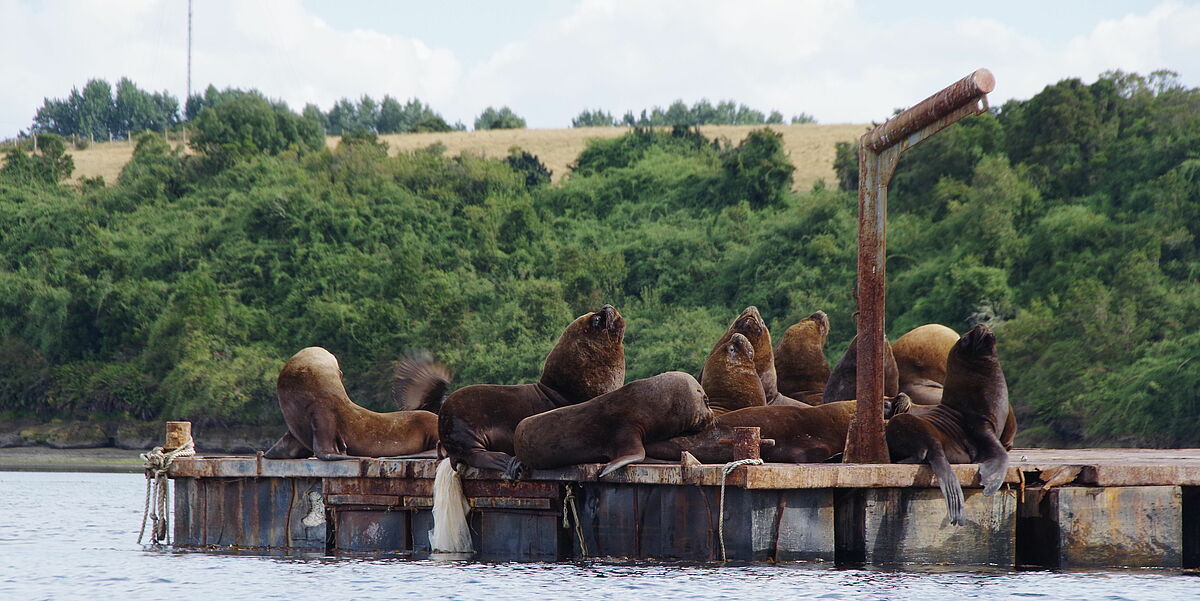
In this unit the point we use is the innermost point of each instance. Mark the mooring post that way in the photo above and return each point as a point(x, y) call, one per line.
point(178, 435)
point(746, 443)
point(879, 150)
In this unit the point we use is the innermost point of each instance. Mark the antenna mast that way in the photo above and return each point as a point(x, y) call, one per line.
point(189, 66)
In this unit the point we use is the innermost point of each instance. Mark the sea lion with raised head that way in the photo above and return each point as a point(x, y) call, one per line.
point(729, 377)
point(615, 427)
point(323, 421)
point(477, 422)
point(800, 365)
point(965, 427)
point(751, 325)
point(921, 355)
point(843, 382)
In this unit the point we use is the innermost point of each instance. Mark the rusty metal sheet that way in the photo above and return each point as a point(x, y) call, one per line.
point(213, 467)
point(378, 486)
point(531, 503)
point(1134, 526)
point(503, 488)
point(382, 500)
point(311, 468)
point(389, 468)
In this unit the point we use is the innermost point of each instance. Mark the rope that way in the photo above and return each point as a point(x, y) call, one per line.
point(569, 501)
point(725, 471)
point(157, 463)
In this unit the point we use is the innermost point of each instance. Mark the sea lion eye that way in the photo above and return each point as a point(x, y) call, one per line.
point(595, 321)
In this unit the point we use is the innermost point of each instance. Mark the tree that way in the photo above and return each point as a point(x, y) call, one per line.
point(504, 118)
point(49, 165)
point(596, 118)
point(247, 125)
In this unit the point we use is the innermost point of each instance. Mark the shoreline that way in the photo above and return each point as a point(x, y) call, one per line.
point(46, 459)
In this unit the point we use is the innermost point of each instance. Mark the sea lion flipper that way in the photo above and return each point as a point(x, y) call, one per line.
point(288, 447)
point(948, 483)
point(993, 464)
point(419, 381)
point(326, 444)
point(623, 461)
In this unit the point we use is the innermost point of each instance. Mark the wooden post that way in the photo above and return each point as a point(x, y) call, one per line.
point(178, 435)
point(747, 443)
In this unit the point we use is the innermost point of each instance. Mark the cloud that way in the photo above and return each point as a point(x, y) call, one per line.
point(839, 61)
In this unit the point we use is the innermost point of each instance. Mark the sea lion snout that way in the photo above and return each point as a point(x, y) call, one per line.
point(607, 318)
point(822, 321)
point(981, 340)
point(750, 321)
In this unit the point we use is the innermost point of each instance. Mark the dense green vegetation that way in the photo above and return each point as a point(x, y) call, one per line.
point(1068, 221)
point(98, 112)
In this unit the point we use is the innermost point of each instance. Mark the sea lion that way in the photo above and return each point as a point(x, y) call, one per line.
point(477, 422)
point(921, 355)
point(751, 325)
point(323, 421)
point(801, 434)
point(615, 427)
point(965, 427)
point(843, 382)
point(729, 377)
point(921, 360)
point(800, 365)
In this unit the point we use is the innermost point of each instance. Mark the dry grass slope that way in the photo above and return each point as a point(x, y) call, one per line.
point(810, 146)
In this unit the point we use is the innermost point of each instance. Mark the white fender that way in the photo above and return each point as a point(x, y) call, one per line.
point(450, 532)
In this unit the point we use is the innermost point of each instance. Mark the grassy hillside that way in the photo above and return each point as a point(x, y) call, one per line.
point(810, 147)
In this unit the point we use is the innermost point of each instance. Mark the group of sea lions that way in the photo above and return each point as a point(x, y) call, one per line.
point(946, 402)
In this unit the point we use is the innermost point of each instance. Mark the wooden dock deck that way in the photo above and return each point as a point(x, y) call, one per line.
point(1060, 508)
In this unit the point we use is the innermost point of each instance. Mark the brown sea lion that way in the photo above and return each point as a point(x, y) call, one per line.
point(477, 422)
point(729, 377)
point(843, 382)
point(751, 325)
point(323, 421)
point(615, 427)
point(800, 365)
point(921, 355)
point(801, 434)
point(921, 360)
point(965, 427)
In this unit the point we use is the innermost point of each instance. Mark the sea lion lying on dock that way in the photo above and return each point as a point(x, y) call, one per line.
point(801, 434)
point(323, 421)
point(965, 427)
point(800, 366)
point(615, 427)
point(477, 422)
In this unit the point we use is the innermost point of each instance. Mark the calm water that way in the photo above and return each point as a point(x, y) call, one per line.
point(72, 536)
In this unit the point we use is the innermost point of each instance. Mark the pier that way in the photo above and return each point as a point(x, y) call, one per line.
point(1059, 508)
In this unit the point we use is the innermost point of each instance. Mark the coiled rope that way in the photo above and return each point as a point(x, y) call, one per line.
point(569, 501)
point(725, 471)
point(157, 463)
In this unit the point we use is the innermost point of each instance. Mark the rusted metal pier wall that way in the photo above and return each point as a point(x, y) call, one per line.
point(1056, 511)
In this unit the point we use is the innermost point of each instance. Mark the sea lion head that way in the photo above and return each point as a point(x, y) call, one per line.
point(749, 323)
point(690, 404)
point(820, 321)
point(589, 358)
point(739, 351)
point(977, 344)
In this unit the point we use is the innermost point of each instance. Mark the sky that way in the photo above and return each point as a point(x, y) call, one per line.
point(840, 61)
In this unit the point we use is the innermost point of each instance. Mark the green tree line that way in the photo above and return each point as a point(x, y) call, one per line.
point(702, 112)
point(1067, 221)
